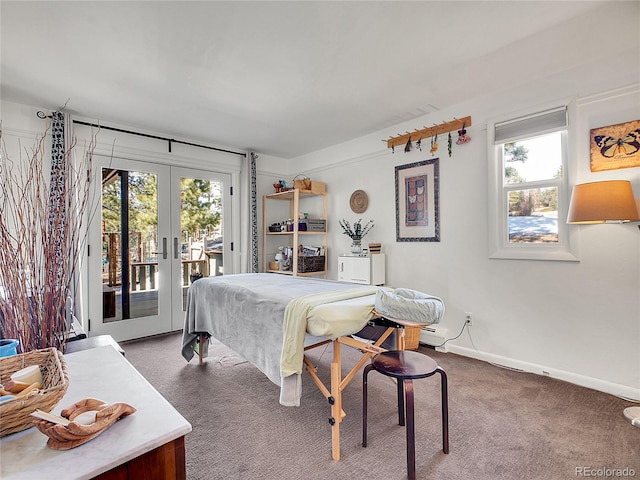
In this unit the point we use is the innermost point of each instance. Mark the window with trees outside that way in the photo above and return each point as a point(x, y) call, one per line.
point(528, 188)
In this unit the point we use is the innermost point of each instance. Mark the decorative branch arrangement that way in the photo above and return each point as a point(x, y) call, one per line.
point(41, 245)
point(432, 132)
point(357, 232)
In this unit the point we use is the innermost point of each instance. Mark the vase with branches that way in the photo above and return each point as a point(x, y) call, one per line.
point(42, 242)
point(356, 232)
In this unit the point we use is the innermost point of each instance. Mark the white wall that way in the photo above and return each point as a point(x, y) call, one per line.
point(575, 321)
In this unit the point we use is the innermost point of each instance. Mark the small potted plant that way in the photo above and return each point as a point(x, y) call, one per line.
point(356, 232)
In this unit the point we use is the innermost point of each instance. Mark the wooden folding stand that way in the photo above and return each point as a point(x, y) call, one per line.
point(338, 384)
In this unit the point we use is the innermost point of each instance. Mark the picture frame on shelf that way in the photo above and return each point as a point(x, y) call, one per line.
point(418, 202)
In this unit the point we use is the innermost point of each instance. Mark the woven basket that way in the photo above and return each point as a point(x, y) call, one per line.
point(411, 338)
point(15, 415)
point(310, 264)
point(302, 182)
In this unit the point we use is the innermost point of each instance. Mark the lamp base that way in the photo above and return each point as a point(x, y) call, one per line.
point(633, 415)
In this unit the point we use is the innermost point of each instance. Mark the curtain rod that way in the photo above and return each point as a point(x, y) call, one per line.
point(170, 140)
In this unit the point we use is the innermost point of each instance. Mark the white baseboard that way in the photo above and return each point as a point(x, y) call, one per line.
point(616, 389)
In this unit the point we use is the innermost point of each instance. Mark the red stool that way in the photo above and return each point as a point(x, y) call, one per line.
point(405, 366)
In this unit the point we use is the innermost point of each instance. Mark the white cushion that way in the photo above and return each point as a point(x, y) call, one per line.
point(407, 304)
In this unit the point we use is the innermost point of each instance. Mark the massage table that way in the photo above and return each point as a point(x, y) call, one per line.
point(272, 320)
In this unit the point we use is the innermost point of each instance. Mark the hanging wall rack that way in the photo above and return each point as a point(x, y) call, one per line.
point(426, 132)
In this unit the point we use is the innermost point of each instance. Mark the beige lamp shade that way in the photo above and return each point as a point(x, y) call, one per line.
point(598, 202)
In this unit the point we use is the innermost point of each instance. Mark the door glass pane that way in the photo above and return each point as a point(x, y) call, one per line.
point(533, 215)
point(129, 244)
point(201, 231)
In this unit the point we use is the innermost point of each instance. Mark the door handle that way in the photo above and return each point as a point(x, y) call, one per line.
point(164, 249)
point(175, 247)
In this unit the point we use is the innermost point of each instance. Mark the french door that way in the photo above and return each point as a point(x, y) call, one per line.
point(201, 227)
point(156, 229)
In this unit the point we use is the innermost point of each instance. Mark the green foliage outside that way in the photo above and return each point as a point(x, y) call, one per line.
point(526, 202)
point(200, 208)
point(143, 208)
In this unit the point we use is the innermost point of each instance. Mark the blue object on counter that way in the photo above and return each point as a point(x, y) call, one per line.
point(8, 347)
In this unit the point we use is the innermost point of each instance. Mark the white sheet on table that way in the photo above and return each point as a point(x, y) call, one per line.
point(246, 311)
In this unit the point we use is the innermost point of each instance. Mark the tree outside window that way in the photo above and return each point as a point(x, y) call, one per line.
point(528, 185)
point(532, 173)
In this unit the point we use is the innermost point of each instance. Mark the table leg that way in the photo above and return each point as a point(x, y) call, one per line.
point(200, 348)
point(367, 369)
point(401, 401)
point(445, 410)
point(411, 432)
point(336, 408)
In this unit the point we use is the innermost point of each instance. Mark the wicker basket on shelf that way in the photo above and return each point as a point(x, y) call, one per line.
point(15, 414)
point(311, 264)
point(302, 182)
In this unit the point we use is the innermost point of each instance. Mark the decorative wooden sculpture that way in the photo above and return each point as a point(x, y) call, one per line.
point(87, 419)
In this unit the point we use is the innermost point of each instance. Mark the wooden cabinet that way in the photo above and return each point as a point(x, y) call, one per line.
point(366, 270)
point(293, 204)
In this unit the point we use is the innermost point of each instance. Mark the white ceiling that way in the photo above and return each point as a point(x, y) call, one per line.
point(281, 78)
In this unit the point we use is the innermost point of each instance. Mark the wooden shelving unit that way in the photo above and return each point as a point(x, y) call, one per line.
point(294, 238)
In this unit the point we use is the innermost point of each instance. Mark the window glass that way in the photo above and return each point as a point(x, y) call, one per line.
point(527, 188)
point(538, 158)
point(532, 212)
point(533, 215)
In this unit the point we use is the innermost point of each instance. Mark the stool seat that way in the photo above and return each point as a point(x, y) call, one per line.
point(404, 364)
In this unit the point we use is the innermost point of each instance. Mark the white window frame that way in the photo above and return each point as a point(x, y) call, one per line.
point(499, 245)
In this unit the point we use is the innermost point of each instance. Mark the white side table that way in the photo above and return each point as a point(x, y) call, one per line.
point(362, 269)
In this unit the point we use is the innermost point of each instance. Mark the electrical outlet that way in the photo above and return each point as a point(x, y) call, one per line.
point(469, 317)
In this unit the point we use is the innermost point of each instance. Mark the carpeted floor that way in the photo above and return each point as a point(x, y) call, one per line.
point(503, 424)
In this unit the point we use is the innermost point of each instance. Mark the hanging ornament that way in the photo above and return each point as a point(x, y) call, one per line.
point(393, 149)
point(449, 142)
point(419, 144)
point(434, 143)
point(407, 147)
point(462, 136)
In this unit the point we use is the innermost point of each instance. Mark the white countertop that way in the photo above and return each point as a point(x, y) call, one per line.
point(105, 374)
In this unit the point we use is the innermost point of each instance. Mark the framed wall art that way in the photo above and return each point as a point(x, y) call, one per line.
point(615, 146)
point(417, 202)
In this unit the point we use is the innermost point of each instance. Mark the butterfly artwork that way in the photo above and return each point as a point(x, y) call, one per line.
point(611, 147)
point(416, 206)
point(417, 201)
point(615, 146)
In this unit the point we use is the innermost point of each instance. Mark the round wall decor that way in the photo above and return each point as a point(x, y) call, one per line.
point(359, 201)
